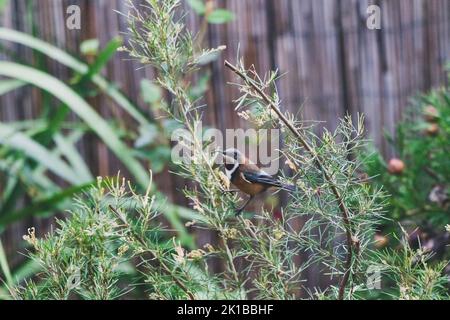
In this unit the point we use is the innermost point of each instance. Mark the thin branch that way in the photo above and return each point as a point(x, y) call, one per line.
point(319, 163)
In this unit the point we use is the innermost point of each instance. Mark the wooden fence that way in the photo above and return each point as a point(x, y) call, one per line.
point(332, 63)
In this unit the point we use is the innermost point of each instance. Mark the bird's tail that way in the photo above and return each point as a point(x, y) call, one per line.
point(279, 184)
point(288, 187)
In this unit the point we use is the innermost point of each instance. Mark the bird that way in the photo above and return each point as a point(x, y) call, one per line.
point(248, 177)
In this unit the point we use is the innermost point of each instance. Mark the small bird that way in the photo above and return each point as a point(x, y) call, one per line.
point(247, 177)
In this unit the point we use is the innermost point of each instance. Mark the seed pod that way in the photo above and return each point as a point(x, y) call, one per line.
point(432, 130)
point(430, 113)
point(363, 177)
point(396, 166)
point(380, 241)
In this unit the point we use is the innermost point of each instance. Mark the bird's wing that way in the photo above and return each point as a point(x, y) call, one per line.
point(261, 177)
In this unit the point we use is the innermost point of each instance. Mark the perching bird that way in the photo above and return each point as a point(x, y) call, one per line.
point(248, 177)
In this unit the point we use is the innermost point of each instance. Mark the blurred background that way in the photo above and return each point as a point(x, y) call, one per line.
point(332, 64)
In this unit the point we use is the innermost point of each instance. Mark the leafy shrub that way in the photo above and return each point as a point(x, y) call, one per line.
point(338, 208)
point(418, 177)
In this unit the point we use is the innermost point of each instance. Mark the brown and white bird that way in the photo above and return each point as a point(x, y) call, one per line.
point(248, 177)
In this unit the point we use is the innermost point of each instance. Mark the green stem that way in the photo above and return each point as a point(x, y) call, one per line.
point(4, 266)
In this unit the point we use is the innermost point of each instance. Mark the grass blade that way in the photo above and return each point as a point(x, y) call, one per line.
point(19, 141)
point(41, 207)
point(4, 265)
point(103, 57)
point(10, 85)
point(66, 59)
point(82, 109)
point(28, 269)
point(67, 148)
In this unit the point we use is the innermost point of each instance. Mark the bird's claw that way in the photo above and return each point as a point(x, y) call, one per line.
point(232, 190)
point(238, 212)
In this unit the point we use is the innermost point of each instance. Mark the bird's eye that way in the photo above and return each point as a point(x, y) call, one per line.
point(229, 166)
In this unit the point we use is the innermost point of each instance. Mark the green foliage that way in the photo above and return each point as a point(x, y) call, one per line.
point(417, 179)
point(270, 247)
point(151, 93)
point(220, 16)
point(4, 265)
point(3, 4)
point(411, 273)
point(20, 142)
point(49, 140)
point(113, 244)
point(213, 16)
point(420, 192)
point(198, 6)
point(89, 47)
point(74, 64)
point(81, 108)
point(331, 197)
point(81, 258)
point(42, 206)
point(9, 85)
point(113, 239)
point(113, 231)
point(35, 155)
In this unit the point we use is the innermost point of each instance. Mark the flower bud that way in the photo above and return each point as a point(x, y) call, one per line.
point(396, 166)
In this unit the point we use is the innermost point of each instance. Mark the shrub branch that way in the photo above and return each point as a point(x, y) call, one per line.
point(320, 165)
point(144, 243)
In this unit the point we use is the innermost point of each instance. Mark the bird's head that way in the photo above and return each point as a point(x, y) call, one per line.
point(232, 157)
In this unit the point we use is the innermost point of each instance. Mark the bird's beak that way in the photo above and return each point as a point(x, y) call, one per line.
point(222, 152)
point(216, 164)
